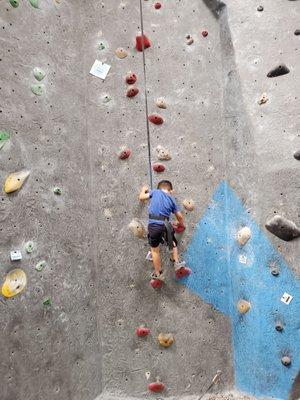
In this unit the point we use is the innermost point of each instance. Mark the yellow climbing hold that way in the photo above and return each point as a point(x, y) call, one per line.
point(15, 181)
point(137, 228)
point(188, 204)
point(243, 306)
point(15, 282)
point(121, 53)
point(165, 339)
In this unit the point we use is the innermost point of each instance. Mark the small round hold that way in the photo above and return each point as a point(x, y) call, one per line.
point(161, 102)
point(243, 306)
point(121, 53)
point(101, 46)
point(142, 331)
point(39, 74)
point(165, 339)
point(188, 204)
point(297, 32)
point(260, 8)
point(57, 190)
point(286, 361)
point(130, 78)
point(29, 246)
point(189, 40)
point(158, 167)
point(204, 33)
point(106, 98)
point(132, 92)
point(155, 119)
point(297, 155)
point(157, 6)
point(275, 270)
point(38, 89)
point(279, 326)
point(124, 154)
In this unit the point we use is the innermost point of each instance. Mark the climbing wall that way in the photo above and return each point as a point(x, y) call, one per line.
point(229, 142)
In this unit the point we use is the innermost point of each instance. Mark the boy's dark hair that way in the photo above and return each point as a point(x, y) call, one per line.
point(165, 185)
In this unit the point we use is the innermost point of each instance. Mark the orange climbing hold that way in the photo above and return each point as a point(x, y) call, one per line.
point(130, 78)
point(155, 119)
point(132, 92)
point(156, 387)
point(142, 331)
point(243, 306)
point(158, 167)
point(139, 40)
point(204, 33)
point(165, 339)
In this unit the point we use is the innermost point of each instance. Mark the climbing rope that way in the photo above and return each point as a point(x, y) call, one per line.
point(146, 96)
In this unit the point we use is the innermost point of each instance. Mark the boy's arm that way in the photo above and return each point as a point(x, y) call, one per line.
point(144, 193)
point(179, 217)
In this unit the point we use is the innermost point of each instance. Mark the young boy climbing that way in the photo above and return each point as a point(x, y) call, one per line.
point(161, 206)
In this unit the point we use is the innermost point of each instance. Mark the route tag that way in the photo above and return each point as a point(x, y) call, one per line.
point(286, 298)
point(100, 70)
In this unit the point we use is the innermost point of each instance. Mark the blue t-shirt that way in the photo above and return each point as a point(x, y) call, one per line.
point(161, 203)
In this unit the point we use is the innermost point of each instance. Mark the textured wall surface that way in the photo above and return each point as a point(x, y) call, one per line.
point(83, 345)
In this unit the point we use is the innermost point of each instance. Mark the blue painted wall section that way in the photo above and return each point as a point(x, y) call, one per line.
point(221, 279)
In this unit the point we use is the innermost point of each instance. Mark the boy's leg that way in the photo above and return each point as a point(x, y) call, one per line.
point(175, 255)
point(156, 259)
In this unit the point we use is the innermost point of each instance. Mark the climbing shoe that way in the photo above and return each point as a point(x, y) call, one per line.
point(181, 270)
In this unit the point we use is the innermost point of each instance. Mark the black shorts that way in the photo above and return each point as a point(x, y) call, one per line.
point(157, 233)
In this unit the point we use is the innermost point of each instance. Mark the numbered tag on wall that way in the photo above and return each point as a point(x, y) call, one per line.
point(286, 298)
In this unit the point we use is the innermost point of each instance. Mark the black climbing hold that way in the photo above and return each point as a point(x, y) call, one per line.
point(297, 155)
point(260, 8)
point(297, 32)
point(281, 69)
point(274, 269)
point(283, 228)
point(279, 326)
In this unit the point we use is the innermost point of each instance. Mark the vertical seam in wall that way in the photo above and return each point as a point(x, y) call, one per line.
point(94, 223)
point(146, 97)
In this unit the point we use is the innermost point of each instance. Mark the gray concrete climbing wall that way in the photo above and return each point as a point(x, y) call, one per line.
point(83, 345)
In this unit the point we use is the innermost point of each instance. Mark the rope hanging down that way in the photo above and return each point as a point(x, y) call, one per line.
point(146, 96)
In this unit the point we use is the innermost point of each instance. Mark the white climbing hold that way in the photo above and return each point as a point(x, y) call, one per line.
point(188, 204)
point(161, 102)
point(137, 228)
point(263, 99)
point(243, 235)
point(163, 153)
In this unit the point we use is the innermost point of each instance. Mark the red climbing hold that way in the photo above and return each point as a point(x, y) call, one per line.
point(183, 272)
point(132, 92)
point(142, 331)
point(157, 6)
point(178, 228)
point(158, 167)
point(139, 42)
point(126, 153)
point(156, 387)
point(204, 33)
point(156, 283)
point(155, 119)
point(130, 78)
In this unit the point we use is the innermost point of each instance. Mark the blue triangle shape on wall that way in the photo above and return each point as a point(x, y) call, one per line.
point(225, 272)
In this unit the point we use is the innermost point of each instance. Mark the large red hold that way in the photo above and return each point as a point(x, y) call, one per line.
point(130, 78)
point(142, 331)
point(139, 42)
point(132, 92)
point(158, 167)
point(155, 119)
point(156, 387)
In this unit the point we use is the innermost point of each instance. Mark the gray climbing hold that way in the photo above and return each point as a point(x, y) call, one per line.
point(189, 40)
point(260, 8)
point(297, 32)
point(297, 155)
point(283, 228)
point(274, 269)
point(34, 3)
point(106, 98)
point(39, 74)
point(279, 326)
point(40, 265)
point(263, 99)
point(4, 136)
point(29, 246)
point(57, 190)
point(280, 69)
point(38, 89)
point(286, 361)
point(101, 46)
point(14, 3)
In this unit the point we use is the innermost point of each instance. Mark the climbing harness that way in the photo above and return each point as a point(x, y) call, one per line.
point(169, 231)
point(146, 96)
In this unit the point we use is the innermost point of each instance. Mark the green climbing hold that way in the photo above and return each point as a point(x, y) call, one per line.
point(106, 98)
point(47, 302)
point(101, 46)
point(4, 136)
point(38, 89)
point(14, 3)
point(39, 74)
point(34, 3)
point(40, 265)
point(57, 190)
point(29, 246)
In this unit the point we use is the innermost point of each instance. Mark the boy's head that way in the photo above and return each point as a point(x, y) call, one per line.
point(165, 185)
